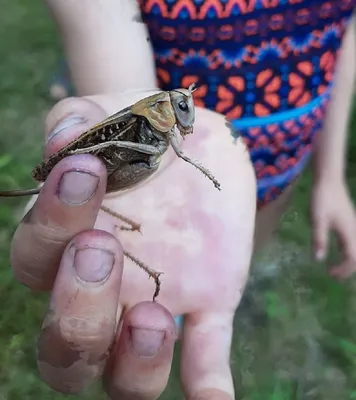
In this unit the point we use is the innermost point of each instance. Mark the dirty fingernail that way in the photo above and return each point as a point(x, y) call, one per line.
point(93, 265)
point(77, 187)
point(146, 342)
point(67, 122)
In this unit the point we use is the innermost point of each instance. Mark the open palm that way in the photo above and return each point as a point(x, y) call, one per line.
point(199, 237)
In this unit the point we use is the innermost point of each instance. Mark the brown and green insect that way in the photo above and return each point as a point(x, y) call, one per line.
point(130, 143)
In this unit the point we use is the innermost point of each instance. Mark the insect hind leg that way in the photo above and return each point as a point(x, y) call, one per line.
point(155, 275)
point(132, 225)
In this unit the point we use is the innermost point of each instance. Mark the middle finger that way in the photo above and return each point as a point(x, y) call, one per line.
point(80, 326)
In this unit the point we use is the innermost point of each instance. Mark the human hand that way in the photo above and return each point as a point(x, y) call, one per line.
point(333, 210)
point(199, 237)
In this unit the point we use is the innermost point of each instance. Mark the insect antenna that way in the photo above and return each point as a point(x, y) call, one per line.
point(20, 192)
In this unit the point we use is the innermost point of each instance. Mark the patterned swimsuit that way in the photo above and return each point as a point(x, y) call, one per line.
point(267, 65)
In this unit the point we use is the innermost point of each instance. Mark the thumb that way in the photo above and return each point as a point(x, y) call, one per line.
point(320, 235)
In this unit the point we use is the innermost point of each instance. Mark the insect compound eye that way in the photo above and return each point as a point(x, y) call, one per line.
point(183, 106)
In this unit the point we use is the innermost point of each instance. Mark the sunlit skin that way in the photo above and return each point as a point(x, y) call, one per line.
point(199, 237)
point(205, 263)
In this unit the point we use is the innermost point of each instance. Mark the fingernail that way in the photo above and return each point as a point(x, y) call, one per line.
point(146, 342)
point(93, 265)
point(67, 122)
point(77, 187)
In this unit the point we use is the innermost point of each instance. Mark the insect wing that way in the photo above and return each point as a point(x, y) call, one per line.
point(108, 129)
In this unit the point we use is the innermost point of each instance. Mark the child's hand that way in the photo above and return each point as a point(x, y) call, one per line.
point(332, 210)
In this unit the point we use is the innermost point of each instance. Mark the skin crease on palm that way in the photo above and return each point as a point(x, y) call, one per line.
point(202, 248)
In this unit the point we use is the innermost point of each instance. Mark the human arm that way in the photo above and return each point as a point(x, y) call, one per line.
point(105, 47)
point(331, 145)
point(331, 206)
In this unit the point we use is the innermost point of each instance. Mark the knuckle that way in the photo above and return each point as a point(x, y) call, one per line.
point(35, 256)
point(65, 342)
point(53, 348)
point(32, 280)
point(91, 334)
point(28, 274)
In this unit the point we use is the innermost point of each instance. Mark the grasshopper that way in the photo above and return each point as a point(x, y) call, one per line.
point(130, 143)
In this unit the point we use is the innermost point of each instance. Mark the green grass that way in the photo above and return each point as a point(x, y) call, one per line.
point(294, 336)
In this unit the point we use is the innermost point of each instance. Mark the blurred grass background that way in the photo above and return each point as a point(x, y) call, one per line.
point(295, 329)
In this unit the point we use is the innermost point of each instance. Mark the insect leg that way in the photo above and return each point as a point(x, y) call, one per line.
point(134, 226)
point(173, 139)
point(140, 147)
point(152, 273)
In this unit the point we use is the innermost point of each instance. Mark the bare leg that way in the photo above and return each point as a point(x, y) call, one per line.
point(152, 273)
point(134, 226)
point(174, 143)
point(142, 148)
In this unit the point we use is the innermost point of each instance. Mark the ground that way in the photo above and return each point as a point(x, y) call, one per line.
point(294, 336)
